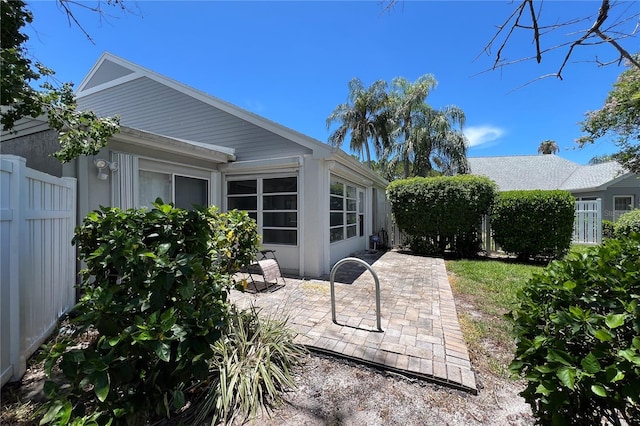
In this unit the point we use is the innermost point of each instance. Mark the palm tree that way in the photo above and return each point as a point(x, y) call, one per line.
point(364, 116)
point(408, 108)
point(548, 147)
point(425, 136)
point(442, 143)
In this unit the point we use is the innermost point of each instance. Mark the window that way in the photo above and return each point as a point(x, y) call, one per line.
point(343, 213)
point(184, 191)
point(272, 202)
point(621, 205)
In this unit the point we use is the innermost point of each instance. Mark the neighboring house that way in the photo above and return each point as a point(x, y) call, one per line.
point(314, 204)
point(618, 189)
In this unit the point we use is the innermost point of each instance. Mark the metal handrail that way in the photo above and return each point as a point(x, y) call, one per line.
point(333, 291)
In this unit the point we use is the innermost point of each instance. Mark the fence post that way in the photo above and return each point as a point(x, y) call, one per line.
point(17, 205)
point(486, 230)
point(71, 223)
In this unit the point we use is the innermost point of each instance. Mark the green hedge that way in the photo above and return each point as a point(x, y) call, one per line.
point(608, 229)
point(440, 212)
point(578, 337)
point(534, 223)
point(627, 223)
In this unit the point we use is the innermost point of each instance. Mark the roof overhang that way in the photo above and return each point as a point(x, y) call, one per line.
point(157, 142)
point(352, 169)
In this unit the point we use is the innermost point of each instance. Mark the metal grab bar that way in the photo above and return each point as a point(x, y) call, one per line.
point(333, 291)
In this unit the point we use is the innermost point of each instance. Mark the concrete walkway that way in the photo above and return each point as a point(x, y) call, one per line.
point(420, 333)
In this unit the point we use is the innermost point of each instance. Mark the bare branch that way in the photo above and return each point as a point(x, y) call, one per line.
point(487, 48)
point(623, 52)
point(68, 5)
point(536, 32)
point(72, 18)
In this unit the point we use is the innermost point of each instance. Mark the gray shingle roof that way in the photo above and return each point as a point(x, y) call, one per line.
point(544, 172)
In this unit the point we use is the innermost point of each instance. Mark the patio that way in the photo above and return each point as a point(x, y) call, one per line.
point(420, 334)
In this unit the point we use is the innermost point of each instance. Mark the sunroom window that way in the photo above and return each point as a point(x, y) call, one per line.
point(272, 202)
point(343, 214)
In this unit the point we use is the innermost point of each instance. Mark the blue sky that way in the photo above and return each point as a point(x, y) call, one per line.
point(291, 61)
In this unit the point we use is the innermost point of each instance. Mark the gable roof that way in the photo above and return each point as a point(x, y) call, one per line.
point(111, 70)
point(528, 172)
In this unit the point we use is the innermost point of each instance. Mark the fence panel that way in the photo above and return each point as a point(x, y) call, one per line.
point(38, 260)
point(587, 227)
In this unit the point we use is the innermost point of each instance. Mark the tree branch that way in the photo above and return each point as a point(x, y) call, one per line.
point(536, 32)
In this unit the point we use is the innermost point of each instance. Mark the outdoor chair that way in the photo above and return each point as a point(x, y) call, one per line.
point(268, 268)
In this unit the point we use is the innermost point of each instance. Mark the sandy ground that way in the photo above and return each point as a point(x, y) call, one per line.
point(336, 392)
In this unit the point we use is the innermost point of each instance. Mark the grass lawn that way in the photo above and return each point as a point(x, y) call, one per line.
point(485, 290)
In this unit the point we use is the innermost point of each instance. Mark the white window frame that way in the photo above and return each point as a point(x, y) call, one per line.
point(173, 170)
point(126, 181)
point(618, 213)
point(349, 224)
point(260, 211)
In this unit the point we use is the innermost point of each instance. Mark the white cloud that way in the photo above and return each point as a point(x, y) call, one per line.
point(480, 135)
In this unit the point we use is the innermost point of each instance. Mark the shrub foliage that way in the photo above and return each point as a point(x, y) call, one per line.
point(154, 301)
point(254, 363)
point(578, 337)
point(627, 223)
point(608, 229)
point(534, 223)
point(441, 211)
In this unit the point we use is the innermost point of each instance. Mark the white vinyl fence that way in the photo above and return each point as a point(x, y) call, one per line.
point(37, 260)
point(587, 227)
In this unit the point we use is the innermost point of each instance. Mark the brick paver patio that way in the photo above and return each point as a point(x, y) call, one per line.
point(420, 332)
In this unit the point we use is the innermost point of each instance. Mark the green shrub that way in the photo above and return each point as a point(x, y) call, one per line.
point(534, 223)
point(441, 211)
point(578, 337)
point(608, 229)
point(153, 303)
point(252, 364)
point(627, 223)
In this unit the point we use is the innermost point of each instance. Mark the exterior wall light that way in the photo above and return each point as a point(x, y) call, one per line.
point(102, 165)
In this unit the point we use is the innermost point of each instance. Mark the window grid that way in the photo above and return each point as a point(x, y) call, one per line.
point(621, 205)
point(272, 203)
point(343, 211)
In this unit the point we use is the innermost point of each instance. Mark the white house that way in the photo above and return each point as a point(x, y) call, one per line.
point(314, 204)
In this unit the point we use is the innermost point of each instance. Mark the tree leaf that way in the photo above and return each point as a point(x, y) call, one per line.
point(163, 351)
point(614, 320)
point(178, 399)
point(567, 376)
point(603, 335)
point(101, 385)
point(541, 389)
point(599, 390)
point(590, 364)
point(559, 356)
point(630, 355)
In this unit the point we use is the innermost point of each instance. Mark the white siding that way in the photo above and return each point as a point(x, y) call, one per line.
point(108, 71)
point(148, 105)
